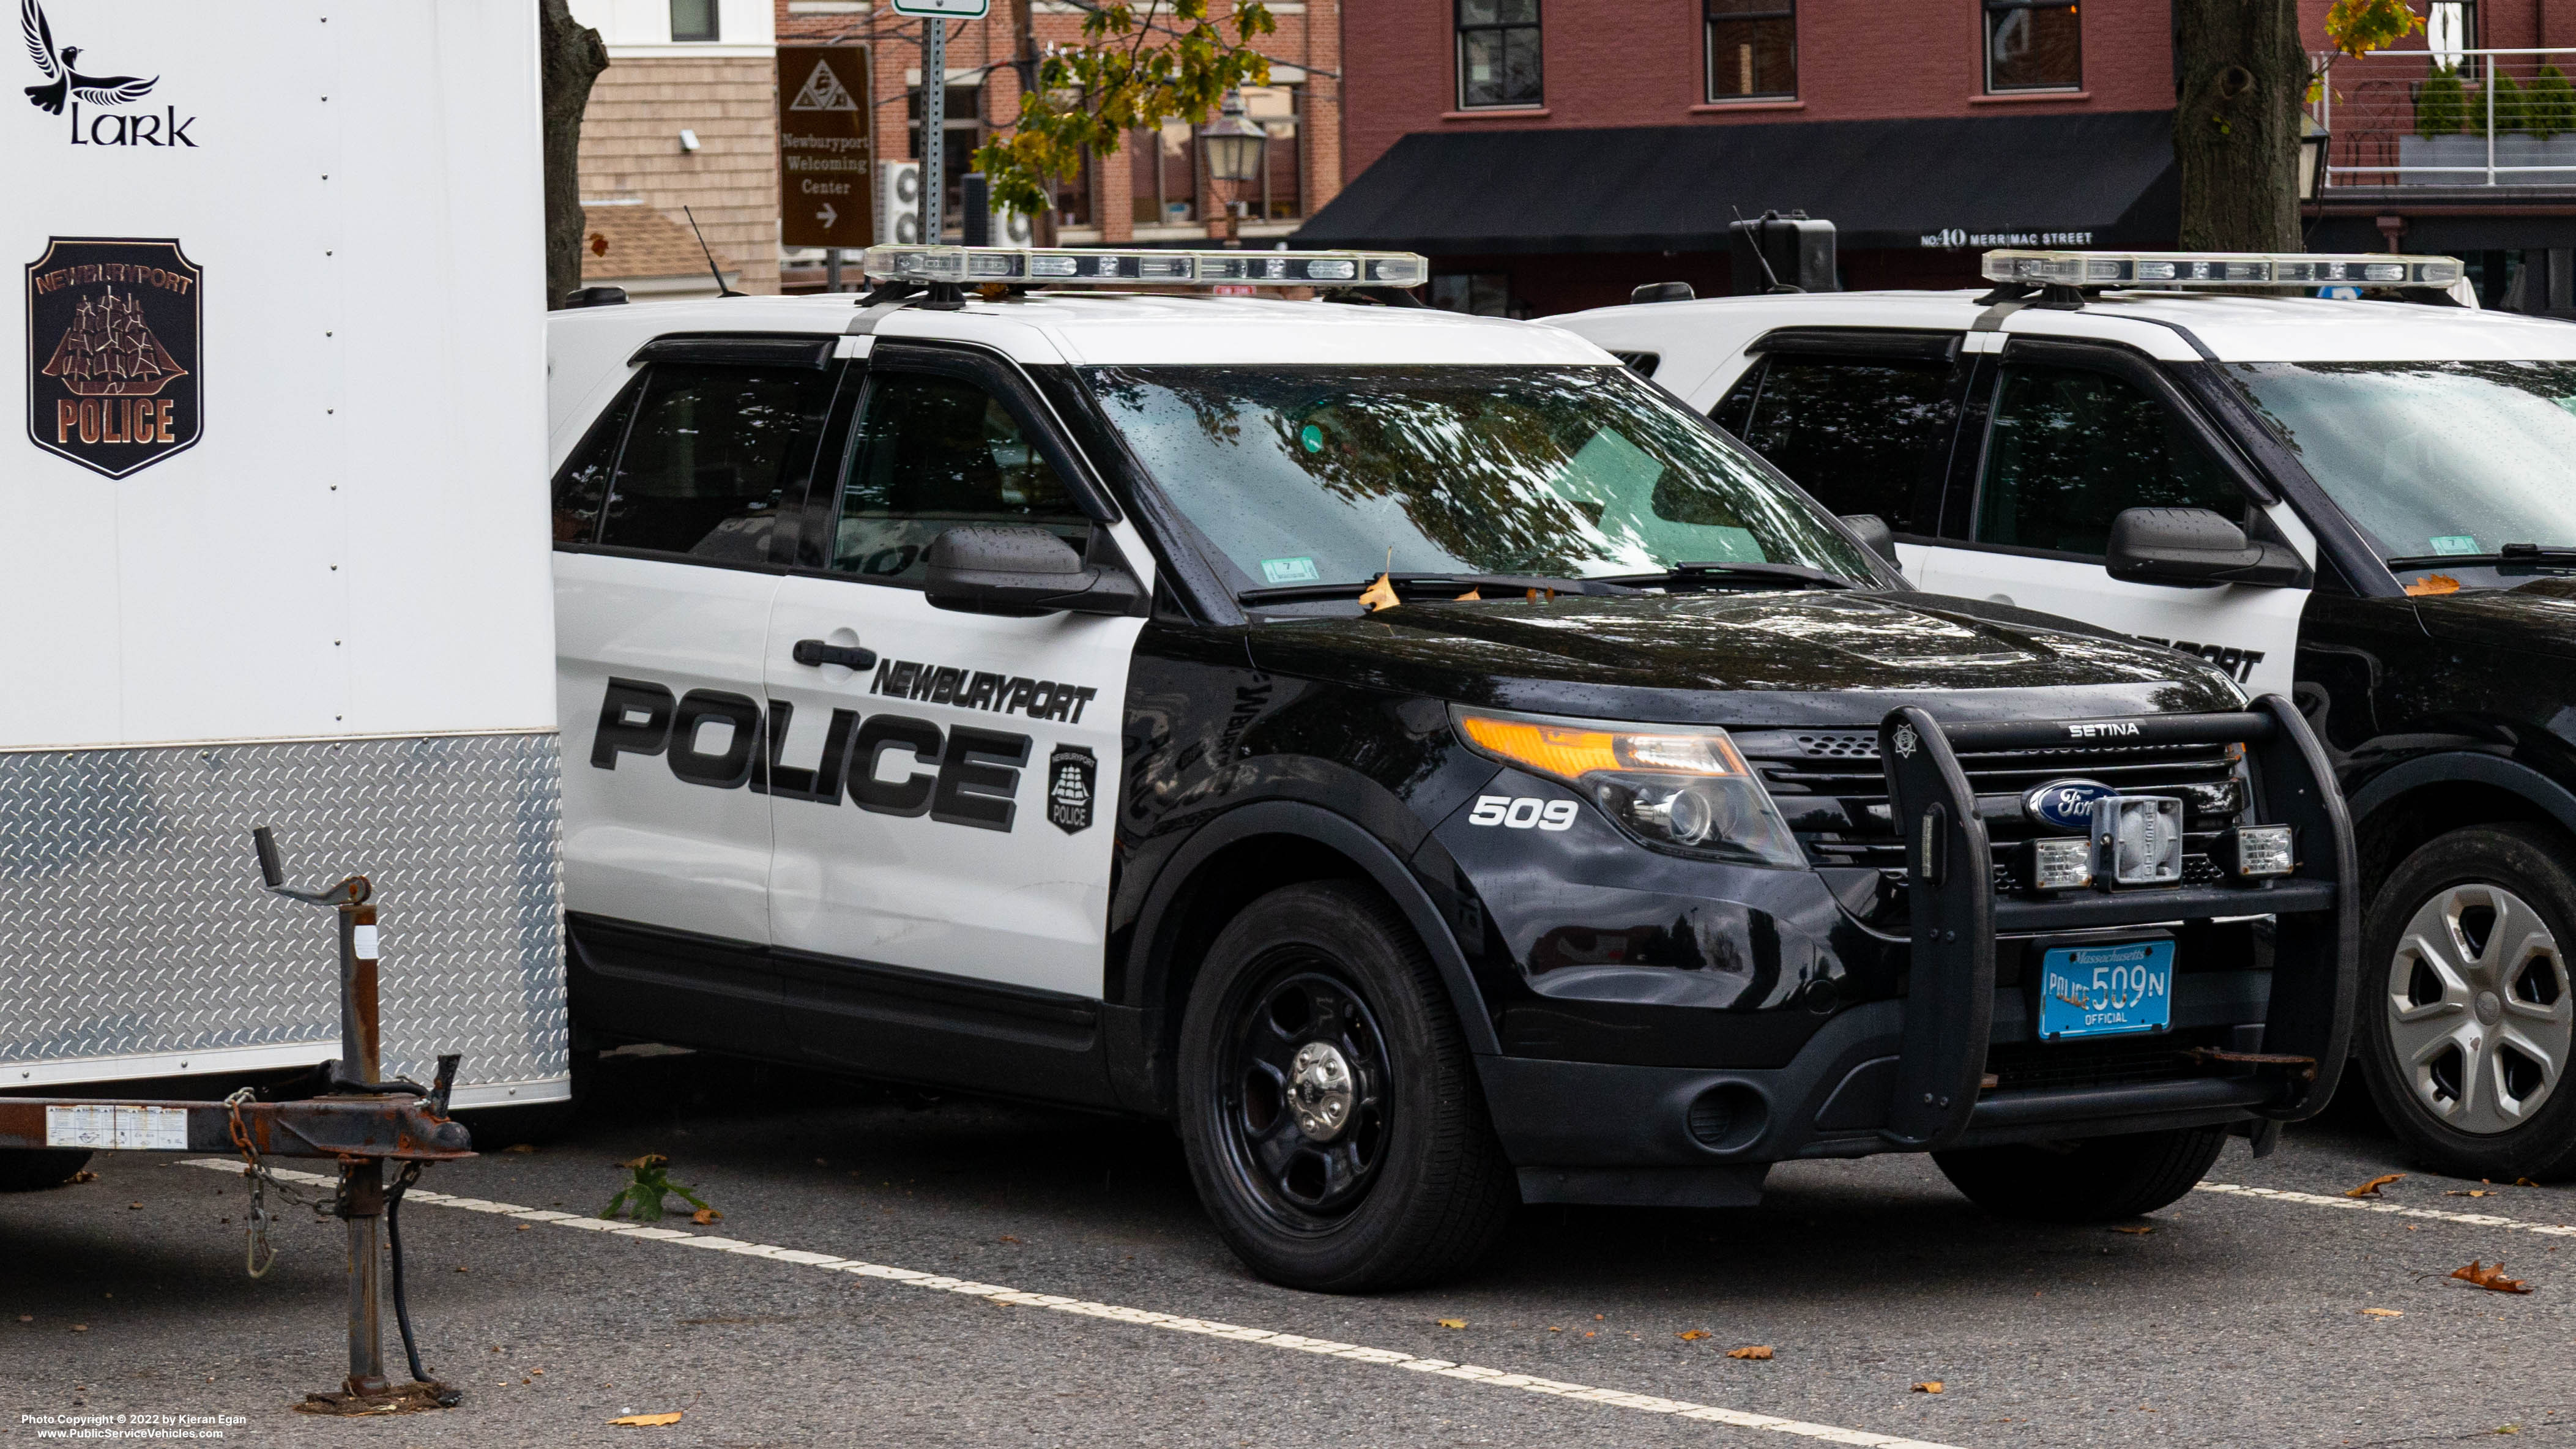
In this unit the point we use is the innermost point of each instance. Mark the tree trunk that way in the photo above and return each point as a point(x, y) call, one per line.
point(2241, 75)
point(570, 57)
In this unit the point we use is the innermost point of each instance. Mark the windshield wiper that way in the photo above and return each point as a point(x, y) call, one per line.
point(1705, 574)
point(2555, 555)
point(1416, 582)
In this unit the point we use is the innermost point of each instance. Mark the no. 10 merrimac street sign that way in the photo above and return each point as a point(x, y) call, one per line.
point(826, 159)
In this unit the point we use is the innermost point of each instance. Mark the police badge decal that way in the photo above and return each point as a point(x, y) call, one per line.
point(113, 326)
point(1071, 773)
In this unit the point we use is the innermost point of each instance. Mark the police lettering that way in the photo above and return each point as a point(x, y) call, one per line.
point(725, 741)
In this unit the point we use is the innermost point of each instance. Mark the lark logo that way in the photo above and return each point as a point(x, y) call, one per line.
point(112, 352)
point(67, 87)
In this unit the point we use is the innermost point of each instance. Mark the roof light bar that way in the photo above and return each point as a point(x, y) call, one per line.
point(1090, 266)
point(2220, 269)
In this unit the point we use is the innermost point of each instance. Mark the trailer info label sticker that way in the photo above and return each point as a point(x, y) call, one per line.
point(118, 1129)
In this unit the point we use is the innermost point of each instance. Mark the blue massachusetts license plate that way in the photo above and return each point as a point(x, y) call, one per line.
point(2106, 990)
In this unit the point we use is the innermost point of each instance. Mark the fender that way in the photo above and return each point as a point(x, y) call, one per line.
point(2455, 765)
point(1324, 827)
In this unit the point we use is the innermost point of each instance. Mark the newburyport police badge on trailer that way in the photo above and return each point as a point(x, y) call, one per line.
point(113, 379)
point(1071, 773)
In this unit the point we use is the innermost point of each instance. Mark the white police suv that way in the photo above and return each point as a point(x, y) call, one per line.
point(1408, 751)
point(2365, 503)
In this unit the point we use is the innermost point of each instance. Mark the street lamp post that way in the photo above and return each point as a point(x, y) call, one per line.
point(1234, 143)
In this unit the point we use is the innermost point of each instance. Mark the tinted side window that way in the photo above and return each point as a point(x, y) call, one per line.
point(581, 484)
point(713, 454)
point(2069, 449)
point(933, 452)
point(1860, 436)
point(1735, 409)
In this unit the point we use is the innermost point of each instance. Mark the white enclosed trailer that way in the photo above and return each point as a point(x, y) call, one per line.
point(273, 538)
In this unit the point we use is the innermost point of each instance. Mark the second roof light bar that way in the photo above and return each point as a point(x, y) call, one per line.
point(1086, 266)
point(2218, 269)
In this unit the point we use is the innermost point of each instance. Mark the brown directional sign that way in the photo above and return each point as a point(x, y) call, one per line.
point(827, 155)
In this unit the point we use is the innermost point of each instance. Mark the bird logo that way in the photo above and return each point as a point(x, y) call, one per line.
point(62, 68)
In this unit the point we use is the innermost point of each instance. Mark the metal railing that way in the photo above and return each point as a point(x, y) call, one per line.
point(2495, 117)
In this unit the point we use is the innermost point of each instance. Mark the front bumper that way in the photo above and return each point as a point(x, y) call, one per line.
point(1911, 1074)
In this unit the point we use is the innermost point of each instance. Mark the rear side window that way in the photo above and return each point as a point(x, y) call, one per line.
point(933, 452)
point(712, 457)
point(1860, 436)
point(2069, 449)
point(581, 484)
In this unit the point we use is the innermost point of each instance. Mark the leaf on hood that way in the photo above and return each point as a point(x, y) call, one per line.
point(2491, 1279)
point(1750, 1350)
point(1928, 1386)
point(650, 1421)
point(1453, 1323)
point(2372, 1187)
point(2433, 584)
point(1379, 595)
point(1471, 595)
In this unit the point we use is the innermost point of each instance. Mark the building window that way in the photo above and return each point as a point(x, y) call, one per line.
point(1164, 175)
point(1073, 196)
point(1280, 193)
point(1498, 53)
point(1752, 49)
point(693, 20)
point(1478, 294)
point(2033, 45)
point(2450, 30)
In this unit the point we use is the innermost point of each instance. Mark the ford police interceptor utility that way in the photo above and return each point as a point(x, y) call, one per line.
point(1405, 749)
point(2368, 505)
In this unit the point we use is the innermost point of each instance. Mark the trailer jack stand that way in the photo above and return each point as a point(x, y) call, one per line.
point(361, 1121)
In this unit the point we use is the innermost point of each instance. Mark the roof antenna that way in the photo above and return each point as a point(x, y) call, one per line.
point(1755, 237)
point(721, 289)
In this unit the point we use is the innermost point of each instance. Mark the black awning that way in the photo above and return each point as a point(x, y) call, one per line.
point(2104, 180)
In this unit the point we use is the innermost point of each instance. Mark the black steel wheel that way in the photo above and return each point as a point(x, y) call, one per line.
point(1335, 1127)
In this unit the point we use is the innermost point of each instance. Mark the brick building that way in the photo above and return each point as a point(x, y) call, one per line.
point(1156, 188)
point(1552, 154)
point(685, 115)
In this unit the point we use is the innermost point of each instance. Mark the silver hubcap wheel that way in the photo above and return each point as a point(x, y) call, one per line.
point(2479, 1008)
point(1321, 1091)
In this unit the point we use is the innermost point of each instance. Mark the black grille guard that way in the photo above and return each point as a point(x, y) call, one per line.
point(1955, 915)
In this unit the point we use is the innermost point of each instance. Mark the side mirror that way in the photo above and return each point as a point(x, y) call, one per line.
point(999, 569)
point(2195, 548)
point(1875, 533)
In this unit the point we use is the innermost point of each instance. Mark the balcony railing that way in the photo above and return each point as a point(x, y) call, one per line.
point(2461, 118)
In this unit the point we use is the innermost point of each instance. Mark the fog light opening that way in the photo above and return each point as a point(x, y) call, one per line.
point(1728, 1117)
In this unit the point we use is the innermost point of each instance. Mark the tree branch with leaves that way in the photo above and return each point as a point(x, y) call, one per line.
point(1132, 72)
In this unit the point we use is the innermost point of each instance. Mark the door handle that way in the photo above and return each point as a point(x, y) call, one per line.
point(817, 653)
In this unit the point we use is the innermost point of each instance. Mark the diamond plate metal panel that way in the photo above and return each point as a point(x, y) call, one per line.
point(132, 919)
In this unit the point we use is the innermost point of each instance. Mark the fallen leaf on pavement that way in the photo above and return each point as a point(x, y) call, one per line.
point(134, 1205)
point(2372, 1187)
point(1928, 1386)
point(523, 1227)
point(1691, 1335)
point(2133, 1230)
point(2492, 1279)
point(2524, 1182)
point(704, 1216)
point(1750, 1350)
point(521, 1147)
point(80, 1328)
point(2385, 1312)
point(460, 1267)
point(1453, 1323)
point(2470, 1192)
point(1008, 1238)
point(84, 1176)
point(650, 1421)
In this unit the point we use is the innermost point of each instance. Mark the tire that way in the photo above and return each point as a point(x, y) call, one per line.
point(2465, 1019)
point(33, 1169)
point(2101, 1179)
point(1393, 1176)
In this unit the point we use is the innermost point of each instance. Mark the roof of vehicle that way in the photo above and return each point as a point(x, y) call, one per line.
point(2231, 327)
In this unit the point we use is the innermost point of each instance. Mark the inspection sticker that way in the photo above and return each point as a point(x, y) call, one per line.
point(118, 1129)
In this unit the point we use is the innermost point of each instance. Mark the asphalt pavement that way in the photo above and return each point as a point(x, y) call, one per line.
point(995, 1274)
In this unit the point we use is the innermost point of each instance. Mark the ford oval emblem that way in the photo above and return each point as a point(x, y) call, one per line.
point(2064, 804)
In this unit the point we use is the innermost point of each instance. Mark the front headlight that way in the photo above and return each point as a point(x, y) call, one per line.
point(1681, 788)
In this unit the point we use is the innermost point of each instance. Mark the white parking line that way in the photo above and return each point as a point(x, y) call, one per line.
point(995, 1293)
point(2377, 1205)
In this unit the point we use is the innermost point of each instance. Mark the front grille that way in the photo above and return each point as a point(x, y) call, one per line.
point(2022, 1065)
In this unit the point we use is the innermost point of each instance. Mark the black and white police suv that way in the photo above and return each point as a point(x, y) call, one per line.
point(1406, 749)
point(2368, 505)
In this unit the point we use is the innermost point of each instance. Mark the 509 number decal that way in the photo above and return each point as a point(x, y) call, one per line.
point(1523, 812)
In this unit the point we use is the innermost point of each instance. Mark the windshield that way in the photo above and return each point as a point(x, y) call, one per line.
point(2442, 464)
point(1331, 475)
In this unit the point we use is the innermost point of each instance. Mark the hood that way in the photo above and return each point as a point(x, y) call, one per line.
point(2538, 617)
point(1790, 658)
